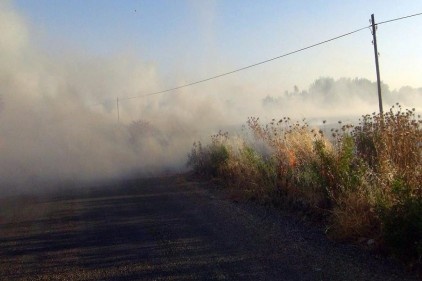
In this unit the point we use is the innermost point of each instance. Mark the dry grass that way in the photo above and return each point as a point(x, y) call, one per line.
point(366, 178)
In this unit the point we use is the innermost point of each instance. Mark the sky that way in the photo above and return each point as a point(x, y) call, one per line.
point(63, 64)
point(191, 40)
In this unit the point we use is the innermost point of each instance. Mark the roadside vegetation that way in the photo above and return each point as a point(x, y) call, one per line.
point(363, 181)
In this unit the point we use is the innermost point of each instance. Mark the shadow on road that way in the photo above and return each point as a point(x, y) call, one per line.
point(142, 229)
point(166, 229)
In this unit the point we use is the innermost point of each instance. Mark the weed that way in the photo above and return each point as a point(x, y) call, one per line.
point(366, 177)
point(209, 160)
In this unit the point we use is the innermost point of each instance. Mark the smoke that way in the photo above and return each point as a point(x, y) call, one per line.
point(345, 98)
point(58, 113)
point(54, 130)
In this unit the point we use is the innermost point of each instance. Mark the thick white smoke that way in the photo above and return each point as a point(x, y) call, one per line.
point(58, 115)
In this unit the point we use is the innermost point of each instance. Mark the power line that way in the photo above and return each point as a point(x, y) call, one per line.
point(401, 18)
point(261, 62)
point(246, 67)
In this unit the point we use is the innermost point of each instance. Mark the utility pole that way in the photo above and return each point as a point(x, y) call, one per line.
point(118, 113)
point(374, 34)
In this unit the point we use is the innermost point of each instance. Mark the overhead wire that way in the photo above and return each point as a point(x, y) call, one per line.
point(258, 63)
point(246, 67)
point(401, 18)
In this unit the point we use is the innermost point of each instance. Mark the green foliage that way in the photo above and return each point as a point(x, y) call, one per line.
point(264, 168)
point(219, 154)
point(207, 161)
point(259, 174)
point(366, 135)
point(402, 228)
point(401, 221)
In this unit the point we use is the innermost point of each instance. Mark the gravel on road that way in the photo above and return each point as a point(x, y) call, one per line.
point(170, 228)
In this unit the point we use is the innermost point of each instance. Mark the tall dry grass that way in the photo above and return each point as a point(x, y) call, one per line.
point(364, 179)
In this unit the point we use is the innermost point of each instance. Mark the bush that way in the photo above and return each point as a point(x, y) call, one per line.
point(365, 177)
point(401, 221)
point(256, 175)
point(209, 160)
point(402, 229)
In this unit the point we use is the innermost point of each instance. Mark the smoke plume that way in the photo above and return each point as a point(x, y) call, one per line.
point(59, 121)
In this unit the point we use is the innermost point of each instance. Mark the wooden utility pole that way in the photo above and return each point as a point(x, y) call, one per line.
point(374, 34)
point(118, 113)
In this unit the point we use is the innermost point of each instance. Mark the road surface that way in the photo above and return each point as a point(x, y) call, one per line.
point(169, 229)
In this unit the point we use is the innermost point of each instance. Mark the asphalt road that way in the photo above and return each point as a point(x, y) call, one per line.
point(169, 229)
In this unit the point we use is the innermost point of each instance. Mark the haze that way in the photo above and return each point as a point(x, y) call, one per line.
point(64, 63)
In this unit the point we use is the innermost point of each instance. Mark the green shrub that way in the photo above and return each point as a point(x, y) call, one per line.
point(259, 174)
point(207, 161)
point(402, 229)
point(219, 155)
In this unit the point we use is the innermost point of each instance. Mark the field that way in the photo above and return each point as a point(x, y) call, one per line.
point(362, 180)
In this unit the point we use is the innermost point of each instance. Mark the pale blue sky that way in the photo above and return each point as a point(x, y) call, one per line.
point(64, 64)
point(196, 39)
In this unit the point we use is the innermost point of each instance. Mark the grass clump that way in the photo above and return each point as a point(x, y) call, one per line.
point(209, 160)
point(365, 179)
point(236, 163)
point(392, 149)
point(402, 224)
